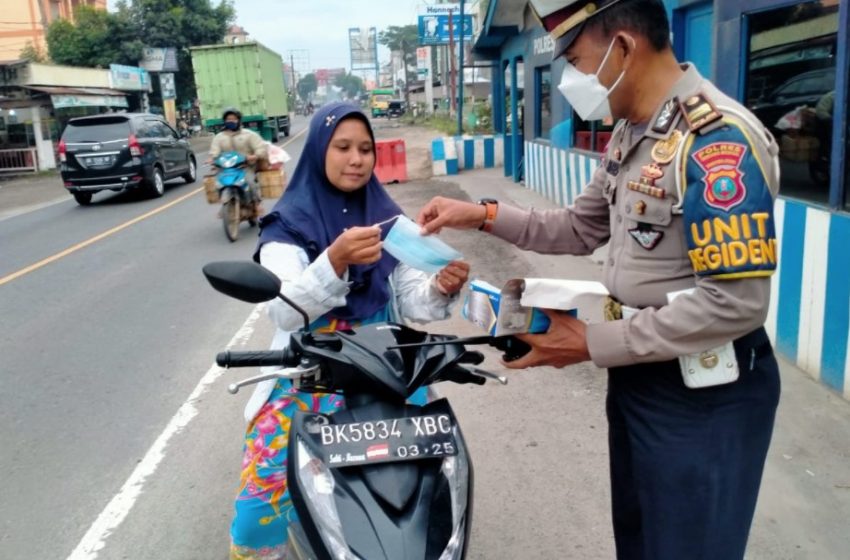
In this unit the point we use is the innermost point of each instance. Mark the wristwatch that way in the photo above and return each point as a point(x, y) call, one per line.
point(492, 207)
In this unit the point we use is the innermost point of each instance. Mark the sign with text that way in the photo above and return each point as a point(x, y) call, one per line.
point(129, 78)
point(159, 60)
point(434, 29)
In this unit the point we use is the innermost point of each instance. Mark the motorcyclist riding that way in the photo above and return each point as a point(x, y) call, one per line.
point(238, 139)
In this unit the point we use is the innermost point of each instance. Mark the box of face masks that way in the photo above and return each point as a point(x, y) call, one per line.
point(517, 307)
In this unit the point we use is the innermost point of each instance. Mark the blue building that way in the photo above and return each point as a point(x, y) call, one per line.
point(788, 62)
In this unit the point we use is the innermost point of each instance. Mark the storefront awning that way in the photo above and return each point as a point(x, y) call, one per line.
point(65, 97)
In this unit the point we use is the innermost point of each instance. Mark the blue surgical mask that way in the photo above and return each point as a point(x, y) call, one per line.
point(231, 125)
point(405, 242)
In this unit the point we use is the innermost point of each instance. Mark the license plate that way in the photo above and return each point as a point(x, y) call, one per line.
point(384, 441)
point(98, 160)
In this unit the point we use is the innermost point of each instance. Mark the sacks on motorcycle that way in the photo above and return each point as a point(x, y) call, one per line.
point(211, 189)
point(271, 183)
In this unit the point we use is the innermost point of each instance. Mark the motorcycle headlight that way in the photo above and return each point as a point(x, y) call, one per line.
point(318, 485)
point(456, 470)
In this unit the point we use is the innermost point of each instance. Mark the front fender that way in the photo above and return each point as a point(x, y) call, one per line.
point(228, 193)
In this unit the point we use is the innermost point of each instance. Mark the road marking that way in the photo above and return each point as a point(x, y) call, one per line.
point(73, 249)
point(119, 507)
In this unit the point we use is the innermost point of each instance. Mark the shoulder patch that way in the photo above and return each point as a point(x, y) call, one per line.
point(727, 207)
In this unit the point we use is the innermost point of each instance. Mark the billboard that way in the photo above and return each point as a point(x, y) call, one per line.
point(159, 60)
point(129, 78)
point(363, 42)
point(434, 28)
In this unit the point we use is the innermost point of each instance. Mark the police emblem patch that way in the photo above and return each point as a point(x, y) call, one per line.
point(721, 163)
point(664, 151)
point(645, 236)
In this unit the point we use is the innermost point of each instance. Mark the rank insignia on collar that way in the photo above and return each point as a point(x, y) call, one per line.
point(665, 117)
point(664, 151)
point(646, 237)
point(699, 112)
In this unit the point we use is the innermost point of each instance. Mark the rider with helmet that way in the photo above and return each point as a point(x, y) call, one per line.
point(235, 138)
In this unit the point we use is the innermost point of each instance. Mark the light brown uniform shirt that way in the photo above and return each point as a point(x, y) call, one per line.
point(246, 142)
point(722, 307)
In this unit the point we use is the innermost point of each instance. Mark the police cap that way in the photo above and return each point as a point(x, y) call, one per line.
point(565, 19)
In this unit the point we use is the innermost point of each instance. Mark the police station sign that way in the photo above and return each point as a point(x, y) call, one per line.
point(544, 44)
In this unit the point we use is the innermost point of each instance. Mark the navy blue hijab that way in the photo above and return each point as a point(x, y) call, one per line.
point(312, 213)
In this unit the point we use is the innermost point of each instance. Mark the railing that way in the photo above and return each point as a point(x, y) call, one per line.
point(19, 159)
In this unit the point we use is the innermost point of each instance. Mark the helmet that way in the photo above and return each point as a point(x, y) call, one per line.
point(231, 111)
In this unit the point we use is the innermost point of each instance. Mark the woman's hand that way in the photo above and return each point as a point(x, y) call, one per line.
point(357, 245)
point(451, 279)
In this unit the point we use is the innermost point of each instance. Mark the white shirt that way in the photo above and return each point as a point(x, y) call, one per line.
point(317, 289)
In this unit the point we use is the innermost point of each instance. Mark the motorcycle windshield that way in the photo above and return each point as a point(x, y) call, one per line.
point(230, 159)
point(365, 364)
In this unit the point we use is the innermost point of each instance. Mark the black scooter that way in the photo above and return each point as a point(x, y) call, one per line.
point(379, 479)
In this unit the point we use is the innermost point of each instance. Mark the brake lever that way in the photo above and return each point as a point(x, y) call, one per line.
point(288, 373)
point(490, 375)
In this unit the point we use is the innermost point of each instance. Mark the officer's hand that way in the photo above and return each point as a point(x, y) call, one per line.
point(443, 212)
point(565, 343)
point(252, 158)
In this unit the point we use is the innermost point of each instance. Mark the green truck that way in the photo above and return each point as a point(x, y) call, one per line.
point(247, 76)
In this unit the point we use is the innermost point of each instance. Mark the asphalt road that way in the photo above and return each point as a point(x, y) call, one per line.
point(118, 439)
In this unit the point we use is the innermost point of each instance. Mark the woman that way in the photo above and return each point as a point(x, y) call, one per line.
point(322, 241)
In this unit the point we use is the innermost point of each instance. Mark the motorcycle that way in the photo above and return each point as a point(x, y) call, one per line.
point(238, 202)
point(379, 479)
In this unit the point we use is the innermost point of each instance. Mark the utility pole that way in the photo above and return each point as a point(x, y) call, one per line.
point(292, 70)
point(460, 89)
point(452, 62)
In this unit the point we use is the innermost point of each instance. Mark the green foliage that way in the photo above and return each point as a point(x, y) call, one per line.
point(307, 86)
point(98, 38)
point(33, 53)
point(350, 84)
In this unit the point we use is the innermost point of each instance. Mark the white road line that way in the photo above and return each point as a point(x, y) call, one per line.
point(117, 509)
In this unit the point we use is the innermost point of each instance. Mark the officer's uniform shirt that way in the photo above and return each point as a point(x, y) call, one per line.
point(685, 201)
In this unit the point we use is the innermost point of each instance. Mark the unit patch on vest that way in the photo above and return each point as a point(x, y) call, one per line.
point(727, 207)
point(724, 185)
point(645, 236)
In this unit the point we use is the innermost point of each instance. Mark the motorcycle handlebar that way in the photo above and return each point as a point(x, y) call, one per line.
point(229, 358)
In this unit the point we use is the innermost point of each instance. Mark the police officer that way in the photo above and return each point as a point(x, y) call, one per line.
point(684, 198)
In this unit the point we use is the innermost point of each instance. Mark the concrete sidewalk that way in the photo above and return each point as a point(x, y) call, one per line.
point(804, 503)
point(24, 193)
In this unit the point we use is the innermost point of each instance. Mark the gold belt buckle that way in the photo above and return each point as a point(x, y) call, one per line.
point(612, 310)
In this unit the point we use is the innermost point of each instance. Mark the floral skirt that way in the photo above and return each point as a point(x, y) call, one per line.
point(263, 506)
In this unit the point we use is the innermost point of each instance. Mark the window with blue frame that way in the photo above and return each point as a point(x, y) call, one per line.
point(543, 93)
point(791, 89)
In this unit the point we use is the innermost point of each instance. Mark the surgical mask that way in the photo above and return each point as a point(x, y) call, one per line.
point(588, 97)
point(405, 242)
point(231, 125)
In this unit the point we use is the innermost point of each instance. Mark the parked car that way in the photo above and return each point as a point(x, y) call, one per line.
point(803, 89)
point(120, 152)
point(395, 108)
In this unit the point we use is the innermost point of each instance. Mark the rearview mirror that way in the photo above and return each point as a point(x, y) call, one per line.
point(243, 280)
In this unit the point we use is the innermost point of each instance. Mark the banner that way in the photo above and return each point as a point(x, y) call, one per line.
point(166, 86)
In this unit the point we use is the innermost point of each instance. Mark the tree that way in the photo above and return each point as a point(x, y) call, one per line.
point(307, 86)
point(404, 39)
point(91, 40)
point(97, 38)
point(179, 24)
point(33, 53)
point(350, 84)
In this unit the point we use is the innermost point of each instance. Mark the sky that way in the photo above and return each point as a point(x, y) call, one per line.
point(319, 26)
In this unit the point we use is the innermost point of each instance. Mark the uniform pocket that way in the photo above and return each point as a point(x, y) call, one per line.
point(654, 236)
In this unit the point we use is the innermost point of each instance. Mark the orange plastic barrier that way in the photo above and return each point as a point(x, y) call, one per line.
point(391, 161)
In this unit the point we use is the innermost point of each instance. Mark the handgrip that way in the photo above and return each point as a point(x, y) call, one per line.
point(259, 358)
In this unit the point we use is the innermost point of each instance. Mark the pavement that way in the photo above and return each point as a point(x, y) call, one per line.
point(552, 466)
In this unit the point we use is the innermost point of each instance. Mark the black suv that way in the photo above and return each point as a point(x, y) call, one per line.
point(122, 151)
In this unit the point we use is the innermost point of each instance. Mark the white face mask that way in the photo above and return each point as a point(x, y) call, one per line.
point(588, 97)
